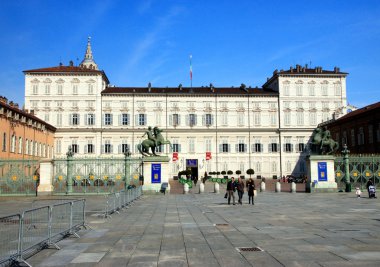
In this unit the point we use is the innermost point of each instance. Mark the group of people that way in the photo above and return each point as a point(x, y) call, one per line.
point(233, 186)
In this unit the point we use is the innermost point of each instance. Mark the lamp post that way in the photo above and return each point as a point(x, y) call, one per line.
point(346, 161)
point(127, 166)
point(69, 180)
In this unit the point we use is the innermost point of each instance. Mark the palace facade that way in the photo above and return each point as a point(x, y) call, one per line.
point(210, 128)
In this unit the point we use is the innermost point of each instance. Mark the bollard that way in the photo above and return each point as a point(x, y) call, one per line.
point(201, 188)
point(293, 188)
point(185, 188)
point(216, 188)
point(278, 187)
point(262, 186)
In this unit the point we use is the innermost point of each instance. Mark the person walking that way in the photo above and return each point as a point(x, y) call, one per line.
point(240, 190)
point(251, 191)
point(230, 190)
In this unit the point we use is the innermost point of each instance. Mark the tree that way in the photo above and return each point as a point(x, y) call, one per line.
point(238, 172)
point(230, 172)
point(250, 172)
point(223, 172)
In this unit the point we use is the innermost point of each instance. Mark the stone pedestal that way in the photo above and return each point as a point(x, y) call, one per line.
point(46, 174)
point(156, 172)
point(321, 174)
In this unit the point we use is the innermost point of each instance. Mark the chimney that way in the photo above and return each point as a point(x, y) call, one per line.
point(336, 70)
point(291, 69)
point(11, 103)
point(180, 86)
point(16, 105)
point(149, 87)
point(32, 112)
point(71, 63)
point(298, 68)
point(275, 72)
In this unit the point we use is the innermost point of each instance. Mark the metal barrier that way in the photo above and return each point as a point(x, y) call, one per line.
point(117, 201)
point(34, 229)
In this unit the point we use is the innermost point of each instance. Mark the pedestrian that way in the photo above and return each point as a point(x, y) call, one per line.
point(230, 190)
point(240, 190)
point(369, 183)
point(358, 192)
point(195, 180)
point(251, 191)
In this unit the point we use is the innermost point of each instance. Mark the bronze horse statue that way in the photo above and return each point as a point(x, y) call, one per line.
point(322, 143)
point(147, 144)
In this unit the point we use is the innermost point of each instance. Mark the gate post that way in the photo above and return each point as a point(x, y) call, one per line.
point(127, 167)
point(69, 181)
point(346, 161)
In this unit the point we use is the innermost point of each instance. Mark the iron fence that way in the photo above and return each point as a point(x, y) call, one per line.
point(361, 169)
point(18, 177)
point(95, 175)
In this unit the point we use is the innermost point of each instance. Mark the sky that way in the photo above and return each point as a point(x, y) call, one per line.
point(231, 42)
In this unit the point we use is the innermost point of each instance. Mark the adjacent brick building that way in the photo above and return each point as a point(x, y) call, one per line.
point(23, 135)
point(359, 129)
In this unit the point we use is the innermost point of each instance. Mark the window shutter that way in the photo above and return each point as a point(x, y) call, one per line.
point(291, 147)
point(212, 119)
point(111, 119)
point(111, 149)
point(78, 119)
point(179, 120)
point(145, 120)
point(179, 147)
point(220, 148)
point(71, 119)
point(120, 120)
point(137, 119)
point(203, 119)
point(85, 119)
point(229, 148)
point(102, 149)
point(245, 147)
point(94, 116)
point(270, 147)
point(195, 119)
point(237, 148)
point(103, 119)
point(85, 149)
point(187, 118)
point(170, 120)
point(119, 149)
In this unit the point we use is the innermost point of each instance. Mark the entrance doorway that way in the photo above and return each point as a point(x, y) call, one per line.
point(192, 166)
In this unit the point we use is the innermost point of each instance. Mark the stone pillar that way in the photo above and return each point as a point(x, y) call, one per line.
point(278, 187)
point(151, 183)
point(46, 176)
point(201, 188)
point(185, 188)
point(321, 174)
point(216, 188)
point(293, 188)
point(262, 186)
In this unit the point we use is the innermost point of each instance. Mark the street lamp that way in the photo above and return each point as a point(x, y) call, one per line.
point(127, 166)
point(346, 161)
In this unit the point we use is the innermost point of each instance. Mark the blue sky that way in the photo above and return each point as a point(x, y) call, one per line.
point(232, 42)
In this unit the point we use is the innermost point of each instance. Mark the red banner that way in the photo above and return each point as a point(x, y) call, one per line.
point(208, 155)
point(175, 156)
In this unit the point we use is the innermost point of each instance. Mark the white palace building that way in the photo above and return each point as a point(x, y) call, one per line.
point(211, 128)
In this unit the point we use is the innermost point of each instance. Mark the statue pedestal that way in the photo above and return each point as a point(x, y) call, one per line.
point(321, 174)
point(156, 172)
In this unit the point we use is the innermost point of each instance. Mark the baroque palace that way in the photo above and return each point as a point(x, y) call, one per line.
point(210, 128)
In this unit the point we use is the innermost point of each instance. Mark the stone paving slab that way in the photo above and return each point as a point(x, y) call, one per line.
point(201, 230)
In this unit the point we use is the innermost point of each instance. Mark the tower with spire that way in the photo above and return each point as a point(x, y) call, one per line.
point(88, 61)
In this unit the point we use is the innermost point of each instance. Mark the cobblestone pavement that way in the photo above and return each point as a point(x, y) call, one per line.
point(333, 229)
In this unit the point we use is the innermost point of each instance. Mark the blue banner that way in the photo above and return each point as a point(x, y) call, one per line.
point(322, 171)
point(156, 173)
point(191, 163)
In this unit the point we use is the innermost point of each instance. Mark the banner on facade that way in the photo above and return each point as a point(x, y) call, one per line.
point(175, 156)
point(208, 155)
point(156, 173)
point(191, 163)
point(322, 171)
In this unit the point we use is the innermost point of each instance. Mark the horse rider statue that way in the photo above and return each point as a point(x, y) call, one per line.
point(154, 140)
point(322, 143)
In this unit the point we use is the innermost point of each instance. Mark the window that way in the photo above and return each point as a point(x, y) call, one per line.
point(208, 145)
point(301, 147)
point(337, 89)
point(288, 147)
point(286, 89)
point(124, 119)
point(160, 149)
point(208, 120)
point(124, 104)
point(274, 166)
point(241, 148)
point(125, 147)
point(256, 118)
point(58, 146)
point(352, 137)
point(191, 145)
point(361, 136)
point(75, 89)
point(174, 119)
point(344, 138)
point(299, 89)
point(257, 147)
point(35, 88)
point(59, 104)
point(141, 119)
point(13, 144)
point(300, 118)
point(176, 147)
point(258, 167)
point(47, 117)
point(47, 89)
point(108, 119)
point(90, 148)
point(273, 118)
point(59, 89)
point(90, 120)
point(370, 134)
point(107, 104)
point(74, 104)
point(140, 104)
point(59, 119)
point(287, 117)
point(241, 119)
point(107, 147)
point(225, 148)
point(273, 147)
point(311, 89)
point(313, 118)
point(90, 88)
point(74, 146)
point(74, 120)
point(192, 120)
point(224, 118)
point(288, 166)
point(324, 87)
point(90, 104)
point(157, 105)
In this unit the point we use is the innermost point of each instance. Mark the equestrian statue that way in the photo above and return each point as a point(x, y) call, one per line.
point(322, 143)
point(155, 139)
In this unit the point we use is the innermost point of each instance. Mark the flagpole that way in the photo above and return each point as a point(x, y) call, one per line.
point(191, 72)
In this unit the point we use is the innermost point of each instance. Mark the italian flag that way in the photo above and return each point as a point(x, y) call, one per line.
point(191, 68)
